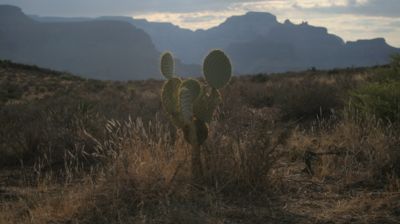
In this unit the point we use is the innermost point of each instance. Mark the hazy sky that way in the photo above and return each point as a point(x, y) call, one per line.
point(350, 19)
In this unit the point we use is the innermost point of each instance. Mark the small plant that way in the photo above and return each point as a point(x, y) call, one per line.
point(191, 105)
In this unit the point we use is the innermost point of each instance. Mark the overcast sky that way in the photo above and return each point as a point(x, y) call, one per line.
point(350, 19)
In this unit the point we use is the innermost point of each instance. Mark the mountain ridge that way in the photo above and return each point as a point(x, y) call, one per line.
point(275, 47)
point(256, 43)
point(98, 49)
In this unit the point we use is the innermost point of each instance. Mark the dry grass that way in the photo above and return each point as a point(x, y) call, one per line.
point(357, 153)
point(145, 178)
point(103, 152)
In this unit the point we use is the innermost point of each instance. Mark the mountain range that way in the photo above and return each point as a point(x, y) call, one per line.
point(100, 49)
point(123, 48)
point(258, 43)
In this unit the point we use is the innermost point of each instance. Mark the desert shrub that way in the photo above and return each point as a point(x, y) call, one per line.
point(16, 137)
point(242, 150)
point(10, 91)
point(257, 95)
point(390, 72)
point(306, 99)
point(395, 63)
point(48, 124)
point(344, 82)
point(260, 78)
point(51, 131)
point(145, 179)
point(361, 152)
point(95, 86)
point(379, 99)
point(237, 156)
point(69, 77)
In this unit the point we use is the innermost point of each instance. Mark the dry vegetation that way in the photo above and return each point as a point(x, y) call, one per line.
point(285, 148)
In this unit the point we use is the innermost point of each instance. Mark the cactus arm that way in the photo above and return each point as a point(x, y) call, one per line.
point(167, 65)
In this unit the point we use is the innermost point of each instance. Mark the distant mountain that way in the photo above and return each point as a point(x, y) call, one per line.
point(192, 46)
point(256, 43)
point(299, 47)
point(184, 43)
point(95, 49)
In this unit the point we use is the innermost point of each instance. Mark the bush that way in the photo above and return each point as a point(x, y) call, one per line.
point(307, 99)
point(10, 91)
point(48, 131)
point(395, 63)
point(256, 94)
point(387, 73)
point(379, 99)
point(382, 97)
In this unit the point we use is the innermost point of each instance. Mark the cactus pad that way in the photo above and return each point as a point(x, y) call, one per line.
point(193, 86)
point(190, 90)
point(217, 69)
point(170, 100)
point(186, 104)
point(167, 65)
point(205, 105)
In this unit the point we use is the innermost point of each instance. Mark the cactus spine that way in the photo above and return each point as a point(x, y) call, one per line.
point(190, 105)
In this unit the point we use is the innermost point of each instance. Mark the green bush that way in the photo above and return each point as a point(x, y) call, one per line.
point(396, 63)
point(387, 73)
point(379, 99)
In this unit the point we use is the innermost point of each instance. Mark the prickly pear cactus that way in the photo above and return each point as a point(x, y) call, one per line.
point(217, 69)
point(190, 105)
point(167, 65)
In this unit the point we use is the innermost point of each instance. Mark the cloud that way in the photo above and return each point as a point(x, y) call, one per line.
point(389, 8)
point(384, 8)
point(97, 7)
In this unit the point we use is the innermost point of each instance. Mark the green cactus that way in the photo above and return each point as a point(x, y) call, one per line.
point(170, 100)
point(167, 65)
point(217, 69)
point(191, 105)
